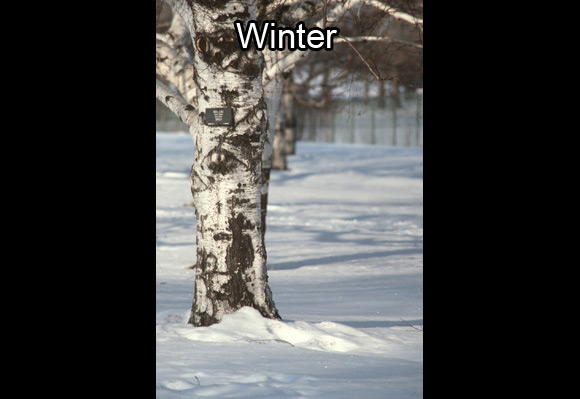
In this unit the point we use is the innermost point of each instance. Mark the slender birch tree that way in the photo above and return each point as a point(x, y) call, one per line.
point(200, 66)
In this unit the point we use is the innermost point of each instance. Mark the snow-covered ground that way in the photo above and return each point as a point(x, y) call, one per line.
point(344, 241)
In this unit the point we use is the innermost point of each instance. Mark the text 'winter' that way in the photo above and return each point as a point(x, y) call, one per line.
point(298, 38)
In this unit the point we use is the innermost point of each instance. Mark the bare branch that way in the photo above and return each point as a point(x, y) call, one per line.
point(392, 11)
point(174, 67)
point(283, 64)
point(184, 111)
point(287, 62)
point(360, 56)
point(340, 9)
point(364, 39)
point(182, 8)
point(375, 74)
point(181, 36)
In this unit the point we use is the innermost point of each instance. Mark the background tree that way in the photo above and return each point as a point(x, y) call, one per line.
point(323, 13)
point(380, 42)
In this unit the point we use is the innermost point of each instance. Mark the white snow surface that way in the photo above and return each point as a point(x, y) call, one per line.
point(344, 241)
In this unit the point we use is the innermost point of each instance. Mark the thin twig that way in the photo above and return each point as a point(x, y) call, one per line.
point(410, 325)
point(361, 57)
point(371, 69)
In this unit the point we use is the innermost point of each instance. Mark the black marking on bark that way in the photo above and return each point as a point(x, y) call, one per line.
point(260, 124)
point(218, 47)
point(222, 236)
point(167, 98)
point(239, 259)
point(229, 96)
point(243, 15)
point(206, 267)
point(225, 41)
point(234, 293)
point(251, 70)
point(238, 190)
point(197, 182)
point(205, 262)
point(226, 162)
point(246, 144)
point(240, 254)
point(189, 107)
point(222, 44)
point(202, 319)
point(236, 202)
point(244, 141)
point(210, 4)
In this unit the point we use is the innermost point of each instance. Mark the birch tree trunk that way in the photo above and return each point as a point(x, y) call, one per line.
point(284, 135)
point(273, 84)
point(226, 174)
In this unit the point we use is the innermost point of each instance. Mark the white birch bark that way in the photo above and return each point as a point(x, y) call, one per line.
point(226, 173)
point(174, 62)
point(176, 69)
point(365, 39)
point(181, 108)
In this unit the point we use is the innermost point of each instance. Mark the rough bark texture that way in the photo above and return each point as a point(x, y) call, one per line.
point(173, 59)
point(226, 174)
